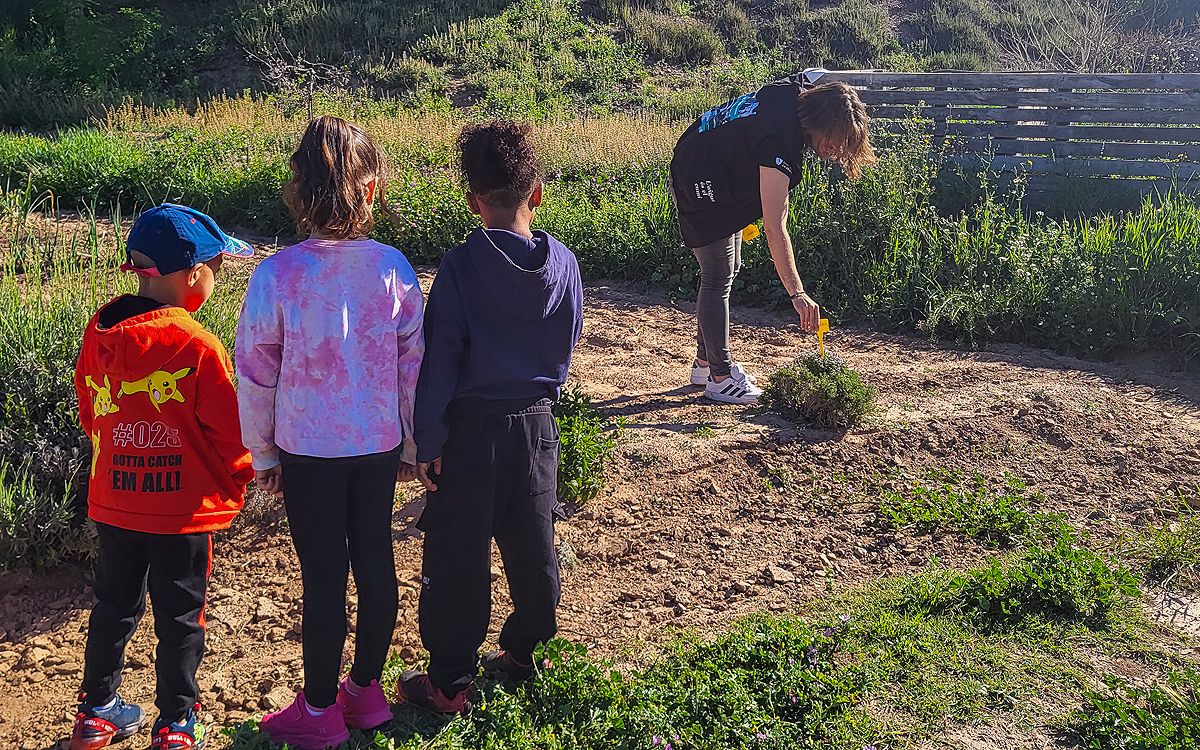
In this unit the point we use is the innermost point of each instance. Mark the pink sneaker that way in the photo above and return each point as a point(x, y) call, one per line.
point(366, 710)
point(296, 726)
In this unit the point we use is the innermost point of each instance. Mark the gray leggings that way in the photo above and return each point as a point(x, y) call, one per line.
point(719, 265)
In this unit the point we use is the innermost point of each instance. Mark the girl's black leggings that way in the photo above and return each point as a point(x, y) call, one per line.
point(340, 514)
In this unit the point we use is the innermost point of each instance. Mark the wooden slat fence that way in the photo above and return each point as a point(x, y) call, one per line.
point(1135, 129)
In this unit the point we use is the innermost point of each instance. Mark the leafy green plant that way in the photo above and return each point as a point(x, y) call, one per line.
point(588, 441)
point(1165, 716)
point(946, 501)
point(1063, 581)
point(819, 390)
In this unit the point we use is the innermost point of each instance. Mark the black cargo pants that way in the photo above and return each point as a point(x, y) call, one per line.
point(499, 480)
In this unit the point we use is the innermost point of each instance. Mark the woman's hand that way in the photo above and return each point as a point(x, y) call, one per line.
point(407, 473)
point(270, 480)
point(809, 312)
point(425, 470)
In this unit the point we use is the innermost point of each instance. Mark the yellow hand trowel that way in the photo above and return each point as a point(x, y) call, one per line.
point(750, 233)
point(822, 329)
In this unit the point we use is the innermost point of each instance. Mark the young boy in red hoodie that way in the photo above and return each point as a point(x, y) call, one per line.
point(168, 468)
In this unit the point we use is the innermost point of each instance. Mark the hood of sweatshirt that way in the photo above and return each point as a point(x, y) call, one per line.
point(525, 290)
point(127, 336)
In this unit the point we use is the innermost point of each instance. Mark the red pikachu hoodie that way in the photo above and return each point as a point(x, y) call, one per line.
point(157, 400)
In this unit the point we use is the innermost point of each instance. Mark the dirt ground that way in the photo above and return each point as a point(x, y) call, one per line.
point(703, 499)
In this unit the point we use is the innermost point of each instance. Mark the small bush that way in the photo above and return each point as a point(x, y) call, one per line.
point(1159, 717)
point(947, 502)
point(818, 390)
point(679, 40)
point(588, 441)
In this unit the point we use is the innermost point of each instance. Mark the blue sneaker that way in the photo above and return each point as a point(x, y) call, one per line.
point(96, 728)
point(188, 734)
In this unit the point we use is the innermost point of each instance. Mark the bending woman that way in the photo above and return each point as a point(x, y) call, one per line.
point(736, 164)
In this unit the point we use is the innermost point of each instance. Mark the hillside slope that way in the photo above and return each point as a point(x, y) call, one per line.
point(62, 59)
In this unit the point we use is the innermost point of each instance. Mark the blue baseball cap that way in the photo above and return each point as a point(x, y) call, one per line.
point(179, 237)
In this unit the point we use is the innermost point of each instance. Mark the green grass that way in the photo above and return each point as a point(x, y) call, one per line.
point(544, 58)
point(1168, 548)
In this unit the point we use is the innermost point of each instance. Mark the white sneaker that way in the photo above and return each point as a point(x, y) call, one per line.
point(736, 389)
point(701, 372)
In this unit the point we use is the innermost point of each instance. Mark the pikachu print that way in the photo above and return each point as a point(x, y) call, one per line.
point(159, 385)
point(102, 406)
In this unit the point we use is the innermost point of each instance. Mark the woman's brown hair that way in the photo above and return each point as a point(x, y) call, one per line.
point(833, 113)
point(331, 170)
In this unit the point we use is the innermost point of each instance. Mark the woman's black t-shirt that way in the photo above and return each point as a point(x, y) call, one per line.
point(714, 172)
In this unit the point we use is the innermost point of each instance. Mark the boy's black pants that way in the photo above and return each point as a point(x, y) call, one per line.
point(175, 568)
point(499, 479)
point(340, 514)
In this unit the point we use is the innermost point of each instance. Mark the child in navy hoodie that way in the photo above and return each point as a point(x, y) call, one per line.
point(503, 316)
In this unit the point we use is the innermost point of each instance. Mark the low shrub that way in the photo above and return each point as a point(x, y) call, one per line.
point(588, 441)
point(818, 390)
point(680, 40)
point(1164, 716)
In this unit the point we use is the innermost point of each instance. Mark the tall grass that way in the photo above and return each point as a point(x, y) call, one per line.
point(888, 250)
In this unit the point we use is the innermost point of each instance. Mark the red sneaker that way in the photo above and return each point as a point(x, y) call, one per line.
point(363, 707)
point(298, 727)
point(415, 688)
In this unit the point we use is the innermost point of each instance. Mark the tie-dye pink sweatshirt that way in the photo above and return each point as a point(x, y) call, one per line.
point(328, 350)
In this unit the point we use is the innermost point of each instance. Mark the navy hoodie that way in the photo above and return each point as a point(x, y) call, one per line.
point(503, 316)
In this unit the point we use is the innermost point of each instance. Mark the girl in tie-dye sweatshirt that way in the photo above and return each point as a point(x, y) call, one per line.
point(328, 351)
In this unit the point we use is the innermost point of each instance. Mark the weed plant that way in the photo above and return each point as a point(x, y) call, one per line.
point(948, 502)
point(1168, 548)
point(1060, 581)
point(1163, 716)
point(588, 440)
point(819, 390)
point(767, 683)
point(883, 665)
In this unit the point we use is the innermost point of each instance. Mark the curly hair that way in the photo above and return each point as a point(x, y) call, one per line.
point(834, 113)
point(331, 169)
point(498, 162)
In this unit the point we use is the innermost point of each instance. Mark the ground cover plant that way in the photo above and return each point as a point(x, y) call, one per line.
point(946, 501)
point(881, 665)
point(1163, 716)
point(1062, 579)
point(820, 390)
